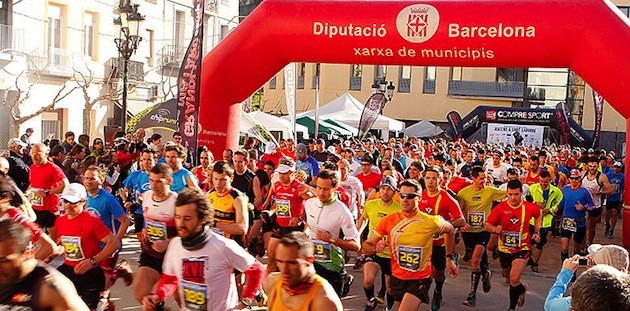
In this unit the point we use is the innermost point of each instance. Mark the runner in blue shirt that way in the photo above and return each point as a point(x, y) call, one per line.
point(572, 210)
point(135, 184)
point(613, 201)
point(306, 163)
point(182, 178)
point(107, 207)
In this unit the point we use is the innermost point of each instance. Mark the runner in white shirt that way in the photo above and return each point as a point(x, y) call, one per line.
point(200, 263)
point(512, 174)
point(497, 168)
point(354, 187)
point(326, 216)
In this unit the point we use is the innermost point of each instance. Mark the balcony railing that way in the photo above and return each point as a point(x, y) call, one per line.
point(12, 38)
point(114, 69)
point(171, 55)
point(56, 61)
point(486, 89)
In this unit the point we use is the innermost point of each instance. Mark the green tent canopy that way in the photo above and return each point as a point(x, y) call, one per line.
point(310, 124)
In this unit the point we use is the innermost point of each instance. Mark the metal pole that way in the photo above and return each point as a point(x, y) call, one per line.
point(124, 95)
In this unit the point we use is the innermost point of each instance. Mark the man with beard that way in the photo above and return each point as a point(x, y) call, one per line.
point(200, 263)
point(24, 282)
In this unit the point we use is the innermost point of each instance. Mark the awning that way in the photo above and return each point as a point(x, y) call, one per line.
point(323, 126)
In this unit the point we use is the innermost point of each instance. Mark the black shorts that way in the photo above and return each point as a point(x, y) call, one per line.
point(472, 239)
point(578, 236)
point(138, 222)
point(438, 257)
point(543, 237)
point(267, 227)
point(596, 212)
point(613, 205)
point(89, 285)
point(149, 261)
point(279, 232)
point(45, 219)
point(384, 263)
point(418, 288)
point(334, 278)
point(506, 258)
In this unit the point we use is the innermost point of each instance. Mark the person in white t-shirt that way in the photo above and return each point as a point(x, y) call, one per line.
point(200, 264)
point(497, 168)
point(354, 187)
point(512, 174)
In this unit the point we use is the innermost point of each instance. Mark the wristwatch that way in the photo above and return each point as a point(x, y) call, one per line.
point(332, 240)
point(93, 262)
point(248, 302)
point(46, 192)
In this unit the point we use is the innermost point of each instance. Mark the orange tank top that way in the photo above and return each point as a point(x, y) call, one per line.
point(275, 299)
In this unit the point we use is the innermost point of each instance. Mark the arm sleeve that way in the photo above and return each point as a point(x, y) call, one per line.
point(99, 228)
point(348, 227)
point(494, 216)
point(315, 166)
point(115, 207)
point(166, 286)
point(453, 207)
point(255, 277)
point(555, 300)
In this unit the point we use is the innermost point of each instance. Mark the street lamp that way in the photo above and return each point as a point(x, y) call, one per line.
point(127, 26)
point(380, 86)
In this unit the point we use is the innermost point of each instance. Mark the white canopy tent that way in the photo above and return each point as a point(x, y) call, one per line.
point(348, 110)
point(423, 128)
point(273, 123)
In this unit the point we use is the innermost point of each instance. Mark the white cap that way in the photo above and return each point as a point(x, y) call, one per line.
point(283, 168)
point(618, 164)
point(74, 193)
point(270, 147)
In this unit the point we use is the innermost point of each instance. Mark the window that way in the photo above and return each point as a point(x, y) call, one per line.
point(380, 73)
point(457, 73)
point(547, 86)
point(625, 10)
point(510, 75)
point(224, 31)
point(272, 83)
point(356, 74)
point(301, 68)
point(55, 34)
point(90, 34)
point(151, 39)
point(429, 80)
point(316, 74)
point(178, 28)
point(404, 80)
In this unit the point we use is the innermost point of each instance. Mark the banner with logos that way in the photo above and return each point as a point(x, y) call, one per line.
point(455, 124)
point(289, 91)
point(258, 130)
point(504, 134)
point(562, 116)
point(373, 108)
point(189, 82)
point(598, 102)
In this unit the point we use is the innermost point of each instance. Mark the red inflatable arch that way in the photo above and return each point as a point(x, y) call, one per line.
point(589, 36)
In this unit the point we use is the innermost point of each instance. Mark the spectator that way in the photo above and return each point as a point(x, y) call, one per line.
point(98, 148)
point(84, 140)
point(68, 143)
point(71, 163)
point(18, 168)
point(601, 288)
point(26, 137)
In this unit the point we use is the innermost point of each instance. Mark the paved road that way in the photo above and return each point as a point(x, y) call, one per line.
point(455, 290)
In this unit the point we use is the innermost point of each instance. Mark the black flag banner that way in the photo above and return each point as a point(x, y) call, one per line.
point(188, 83)
point(371, 112)
point(562, 116)
point(455, 122)
point(598, 102)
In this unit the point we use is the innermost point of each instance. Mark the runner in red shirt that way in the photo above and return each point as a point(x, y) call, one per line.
point(436, 201)
point(510, 220)
point(368, 178)
point(288, 207)
point(47, 182)
point(80, 233)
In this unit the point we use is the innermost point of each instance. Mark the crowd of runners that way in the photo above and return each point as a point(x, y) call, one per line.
point(305, 210)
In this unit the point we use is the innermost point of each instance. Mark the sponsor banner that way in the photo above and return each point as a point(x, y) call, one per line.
point(598, 102)
point(518, 115)
point(259, 131)
point(455, 123)
point(289, 92)
point(564, 127)
point(504, 134)
point(372, 110)
point(188, 83)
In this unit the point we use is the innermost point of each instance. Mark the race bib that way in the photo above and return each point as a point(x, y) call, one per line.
point(156, 230)
point(72, 248)
point(477, 219)
point(569, 224)
point(283, 208)
point(409, 257)
point(322, 251)
point(195, 295)
point(615, 188)
point(511, 239)
point(34, 198)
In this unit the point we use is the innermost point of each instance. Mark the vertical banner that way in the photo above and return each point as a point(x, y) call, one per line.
point(188, 82)
point(259, 131)
point(562, 115)
point(598, 102)
point(455, 123)
point(372, 110)
point(316, 134)
point(289, 92)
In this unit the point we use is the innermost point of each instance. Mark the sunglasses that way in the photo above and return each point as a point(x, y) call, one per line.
point(574, 178)
point(409, 196)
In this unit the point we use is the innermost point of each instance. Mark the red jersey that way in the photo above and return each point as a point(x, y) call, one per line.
point(80, 236)
point(344, 196)
point(275, 158)
point(532, 179)
point(19, 217)
point(458, 183)
point(45, 177)
point(288, 202)
point(515, 236)
point(442, 204)
point(370, 181)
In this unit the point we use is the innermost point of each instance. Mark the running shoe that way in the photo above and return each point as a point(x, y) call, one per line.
point(347, 281)
point(607, 230)
point(535, 268)
point(380, 298)
point(371, 305)
point(485, 281)
point(521, 297)
point(436, 302)
point(123, 270)
point(471, 300)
